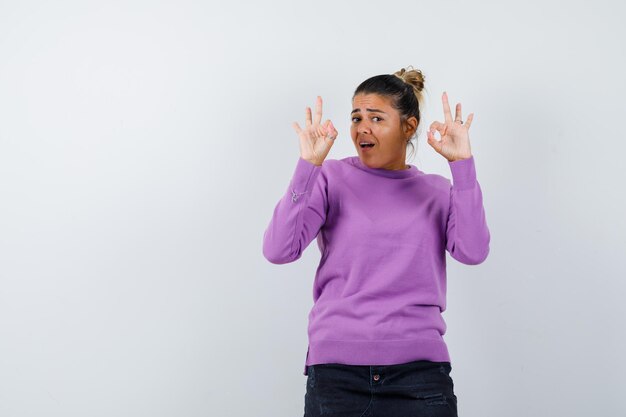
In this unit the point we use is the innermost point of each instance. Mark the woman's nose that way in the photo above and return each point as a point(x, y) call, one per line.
point(363, 128)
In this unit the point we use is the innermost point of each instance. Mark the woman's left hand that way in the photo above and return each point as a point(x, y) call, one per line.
point(454, 144)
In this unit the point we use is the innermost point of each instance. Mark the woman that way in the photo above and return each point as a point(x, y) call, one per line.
point(376, 343)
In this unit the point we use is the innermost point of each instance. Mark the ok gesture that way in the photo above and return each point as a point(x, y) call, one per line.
point(454, 144)
point(315, 139)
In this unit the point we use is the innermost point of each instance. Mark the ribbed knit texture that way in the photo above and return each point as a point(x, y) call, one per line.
point(380, 286)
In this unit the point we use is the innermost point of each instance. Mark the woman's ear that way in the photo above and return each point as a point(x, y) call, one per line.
point(410, 126)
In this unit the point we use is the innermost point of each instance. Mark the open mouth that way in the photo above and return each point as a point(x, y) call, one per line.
point(366, 145)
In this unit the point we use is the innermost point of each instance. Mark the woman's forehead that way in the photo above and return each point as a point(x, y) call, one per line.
point(362, 102)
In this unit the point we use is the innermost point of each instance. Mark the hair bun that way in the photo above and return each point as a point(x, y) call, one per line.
point(414, 77)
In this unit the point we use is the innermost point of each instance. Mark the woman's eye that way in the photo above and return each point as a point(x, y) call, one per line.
point(358, 118)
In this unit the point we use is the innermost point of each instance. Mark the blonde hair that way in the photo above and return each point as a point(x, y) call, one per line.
point(415, 78)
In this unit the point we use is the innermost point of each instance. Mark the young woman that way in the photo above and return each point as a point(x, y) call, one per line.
point(376, 344)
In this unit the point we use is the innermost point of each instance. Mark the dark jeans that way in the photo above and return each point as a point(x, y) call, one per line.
point(418, 388)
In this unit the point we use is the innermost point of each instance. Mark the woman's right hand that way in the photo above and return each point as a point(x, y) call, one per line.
point(315, 139)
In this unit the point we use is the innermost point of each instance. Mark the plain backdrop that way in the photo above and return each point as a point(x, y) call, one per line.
point(145, 144)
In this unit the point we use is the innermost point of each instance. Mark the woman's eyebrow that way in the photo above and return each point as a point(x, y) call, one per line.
point(370, 110)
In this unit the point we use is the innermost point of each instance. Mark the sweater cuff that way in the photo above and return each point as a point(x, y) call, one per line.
point(463, 173)
point(303, 178)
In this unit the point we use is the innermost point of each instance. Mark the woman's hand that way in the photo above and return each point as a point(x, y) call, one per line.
point(454, 143)
point(315, 139)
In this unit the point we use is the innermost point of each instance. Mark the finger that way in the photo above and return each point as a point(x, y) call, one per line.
point(307, 116)
point(434, 142)
point(297, 128)
point(328, 127)
point(468, 122)
point(318, 110)
point(440, 127)
point(457, 114)
point(331, 132)
point(446, 108)
point(436, 126)
point(323, 129)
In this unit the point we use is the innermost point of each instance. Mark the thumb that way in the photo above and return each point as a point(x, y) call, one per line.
point(434, 142)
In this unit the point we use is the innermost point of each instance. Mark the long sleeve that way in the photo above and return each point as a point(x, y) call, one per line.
point(467, 233)
point(298, 216)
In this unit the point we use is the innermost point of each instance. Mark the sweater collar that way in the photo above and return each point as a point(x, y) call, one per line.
point(412, 171)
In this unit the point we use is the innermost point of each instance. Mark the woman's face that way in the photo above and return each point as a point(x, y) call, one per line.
point(374, 120)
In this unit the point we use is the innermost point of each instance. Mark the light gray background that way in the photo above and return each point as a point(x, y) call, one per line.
point(144, 146)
